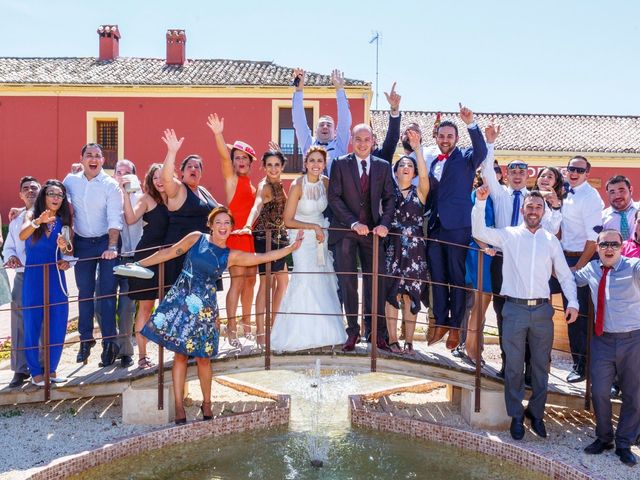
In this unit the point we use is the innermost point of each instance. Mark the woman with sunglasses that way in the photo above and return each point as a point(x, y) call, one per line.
point(45, 244)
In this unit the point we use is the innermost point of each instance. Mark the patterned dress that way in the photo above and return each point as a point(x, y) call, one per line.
point(406, 253)
point(271, 218)
point(185, 320)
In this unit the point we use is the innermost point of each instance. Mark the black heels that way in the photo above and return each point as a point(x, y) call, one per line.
point(182, 420)
point(206, 417)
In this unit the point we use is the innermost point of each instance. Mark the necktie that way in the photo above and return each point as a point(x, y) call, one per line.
point(624, 225)
point(600, 307)
point(516, 208)
point(364, 178)
point(442, 156)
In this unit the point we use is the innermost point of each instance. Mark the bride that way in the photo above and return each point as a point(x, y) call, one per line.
point(305, 318)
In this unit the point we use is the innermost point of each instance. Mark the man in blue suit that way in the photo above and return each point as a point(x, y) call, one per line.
point(451, 177)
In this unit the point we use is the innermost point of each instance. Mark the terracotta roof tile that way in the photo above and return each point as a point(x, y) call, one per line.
point(538, 132)
point(152, 71)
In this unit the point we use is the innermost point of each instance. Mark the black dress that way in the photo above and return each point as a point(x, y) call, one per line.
point(406, 250)
point(156, 222)
point(190, 217)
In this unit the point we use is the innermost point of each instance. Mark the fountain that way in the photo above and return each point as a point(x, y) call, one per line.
point(318, 443)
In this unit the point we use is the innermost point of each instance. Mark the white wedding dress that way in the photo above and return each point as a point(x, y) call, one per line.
point(298, 325)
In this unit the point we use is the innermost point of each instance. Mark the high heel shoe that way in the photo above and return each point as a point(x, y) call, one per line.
point(181, 420)
point(206, 417)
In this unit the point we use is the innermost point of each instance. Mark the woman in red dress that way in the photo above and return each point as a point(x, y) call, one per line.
point(235, 161)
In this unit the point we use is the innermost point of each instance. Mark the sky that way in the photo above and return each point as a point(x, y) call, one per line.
point(508, 56)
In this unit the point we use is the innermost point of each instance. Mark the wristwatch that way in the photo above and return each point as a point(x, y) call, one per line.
point(113, 248)
point(34, 224)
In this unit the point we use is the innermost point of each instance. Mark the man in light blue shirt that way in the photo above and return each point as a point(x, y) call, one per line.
point(334, 139)
point(97, 221)
point(614, 282)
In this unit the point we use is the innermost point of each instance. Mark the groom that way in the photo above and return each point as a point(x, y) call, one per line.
point(361, 200)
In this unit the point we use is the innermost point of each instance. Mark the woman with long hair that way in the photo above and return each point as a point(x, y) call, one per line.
point(186, 321)
point(310, 313)
point(235, 161)
point(153, 210)
point(268, 214)
point(43, 233)
point(406, 260)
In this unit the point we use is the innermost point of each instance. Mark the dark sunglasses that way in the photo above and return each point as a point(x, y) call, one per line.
point(579, 170)
point(497, 169)
point(613, 245)
point(520, 165)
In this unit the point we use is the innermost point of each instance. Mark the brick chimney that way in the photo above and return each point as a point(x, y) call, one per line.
point(109, 42)
point(176, 47)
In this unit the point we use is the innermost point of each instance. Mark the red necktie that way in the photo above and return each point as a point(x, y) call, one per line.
point(442, 156)
point(364, 178)
point(600, 308)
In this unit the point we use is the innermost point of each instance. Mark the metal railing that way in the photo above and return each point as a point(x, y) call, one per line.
point(269, 314)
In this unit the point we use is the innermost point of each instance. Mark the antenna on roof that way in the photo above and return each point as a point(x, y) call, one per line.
point(376, 38)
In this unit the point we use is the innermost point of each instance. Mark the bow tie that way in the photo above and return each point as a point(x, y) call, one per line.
point(571, 191)
point(442, 156)
point(323, 144)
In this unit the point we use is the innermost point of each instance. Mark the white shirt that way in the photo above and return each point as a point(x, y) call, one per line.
point(97, 204)
point(503, 198)
point(581, 213)
point(611, 219)
point(131, 234)
point(529, 259)
point(367, 160)
point(13, 246)
point(429, 154)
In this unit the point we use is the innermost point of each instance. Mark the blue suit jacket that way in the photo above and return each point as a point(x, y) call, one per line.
point(451, 196)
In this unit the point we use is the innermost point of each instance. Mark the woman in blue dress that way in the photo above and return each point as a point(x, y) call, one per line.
point(45, 244)
point(186, 321)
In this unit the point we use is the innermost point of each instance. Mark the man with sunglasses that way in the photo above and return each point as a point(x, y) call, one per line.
point(507, 204)
point(14, 253)
point(581, 223)
point(614, 282)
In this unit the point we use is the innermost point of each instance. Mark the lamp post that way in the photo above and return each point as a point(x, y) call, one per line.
point(376, 38)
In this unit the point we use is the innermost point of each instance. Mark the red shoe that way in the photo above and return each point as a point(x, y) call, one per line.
point(350, 344)
point(454, 338)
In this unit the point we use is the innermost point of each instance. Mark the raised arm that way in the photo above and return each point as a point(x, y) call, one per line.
point(488, 174)
point(289, 214)
point(29, 225)
point(423, 174)
point(246, 259)
point(479, 227)
point(300, 125)
point(343, 128)
point(170, 253)
point(263, 195)
point(132, 214)
point(171, 184)
point(393, 128)
point(479, 151)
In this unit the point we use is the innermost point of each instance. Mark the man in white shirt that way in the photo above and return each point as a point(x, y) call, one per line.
point(507, 204)
point(581, 223)
point(531, 253)
point(130, 236)
point(14, 253)
point(97, 222)
point(620, 215)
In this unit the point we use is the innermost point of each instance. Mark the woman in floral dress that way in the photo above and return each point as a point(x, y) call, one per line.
point(186, 321)
point(406, 249)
